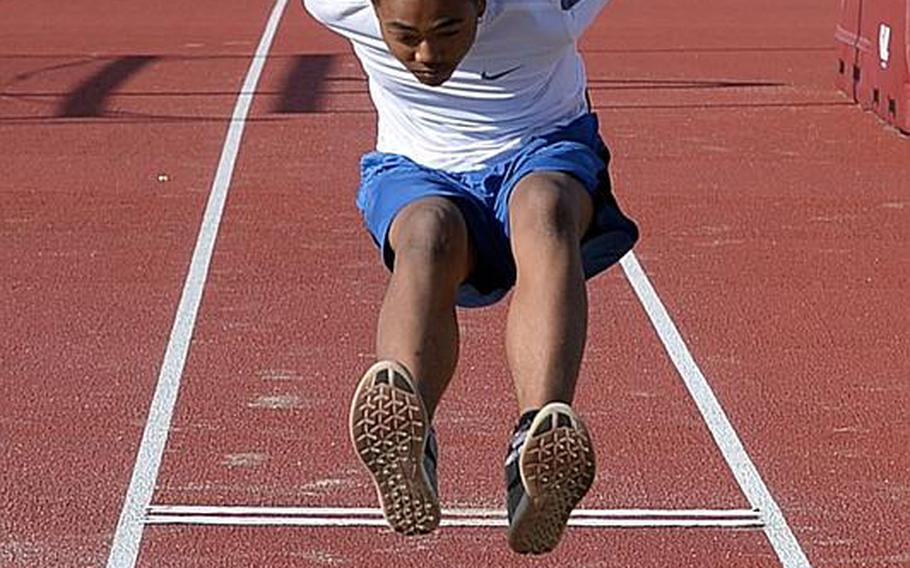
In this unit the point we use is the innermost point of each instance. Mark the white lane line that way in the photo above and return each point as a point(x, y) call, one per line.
point(590, 522)
point(372, 517)
point(478, 522)
point(125, 547)
point(776, 529)
point(237, 511)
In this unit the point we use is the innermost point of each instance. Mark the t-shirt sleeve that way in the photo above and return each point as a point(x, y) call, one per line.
point(319, 9)
point(350, 18)
point(581, 13)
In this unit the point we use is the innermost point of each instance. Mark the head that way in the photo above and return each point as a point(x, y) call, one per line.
point(429, 37)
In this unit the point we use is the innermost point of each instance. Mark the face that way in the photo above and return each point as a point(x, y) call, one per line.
point(429, 37)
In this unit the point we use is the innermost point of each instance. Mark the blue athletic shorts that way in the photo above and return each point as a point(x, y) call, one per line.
point(389, 182)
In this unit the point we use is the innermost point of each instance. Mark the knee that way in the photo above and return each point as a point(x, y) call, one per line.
point(432, 232)
point(548, 211)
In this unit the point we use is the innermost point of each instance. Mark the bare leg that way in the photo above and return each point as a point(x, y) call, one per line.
point(547, 323)
point(417, 324)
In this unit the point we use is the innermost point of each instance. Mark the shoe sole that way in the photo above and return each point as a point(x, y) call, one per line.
point(557, 469)
point(388, 427)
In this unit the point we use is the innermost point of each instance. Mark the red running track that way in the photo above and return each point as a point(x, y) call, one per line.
point(774, 229)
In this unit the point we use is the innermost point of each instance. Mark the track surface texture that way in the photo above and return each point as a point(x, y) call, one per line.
point(775, 219)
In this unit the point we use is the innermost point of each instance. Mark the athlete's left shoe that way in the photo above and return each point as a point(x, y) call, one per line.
point(549, 468)
point(392, 435)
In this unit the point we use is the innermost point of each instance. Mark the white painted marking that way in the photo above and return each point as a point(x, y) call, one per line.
point(372, 517)
point(776, 529)
point(477, 522)
point(125, 547)
point(235, 511)
point(468, 522)
point(884, 44)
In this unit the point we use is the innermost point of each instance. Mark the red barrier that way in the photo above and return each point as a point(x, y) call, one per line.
point(847, 36)
point(884, 60)
point(903, 121)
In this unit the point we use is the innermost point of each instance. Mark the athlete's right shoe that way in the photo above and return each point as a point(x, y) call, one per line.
point(392, 436)
point(549, 468)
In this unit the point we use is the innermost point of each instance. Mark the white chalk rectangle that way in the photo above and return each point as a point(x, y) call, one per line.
point(452, 517)
point(209, 510)
point(464, 522)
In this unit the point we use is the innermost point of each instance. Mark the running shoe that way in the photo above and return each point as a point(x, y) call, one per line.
point(393, 438)
point(549, 468)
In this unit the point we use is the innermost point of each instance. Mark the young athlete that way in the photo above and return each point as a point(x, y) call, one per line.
point(488, 173)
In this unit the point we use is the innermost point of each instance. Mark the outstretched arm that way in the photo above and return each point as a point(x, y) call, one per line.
point(581, 13)
point(353, 19)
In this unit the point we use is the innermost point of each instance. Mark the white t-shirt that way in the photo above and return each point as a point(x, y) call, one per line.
point(529, 49)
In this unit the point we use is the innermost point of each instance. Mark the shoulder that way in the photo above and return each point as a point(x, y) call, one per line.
point(581, 13)
point(353, 19)
point(577, 15)
point(331, 12)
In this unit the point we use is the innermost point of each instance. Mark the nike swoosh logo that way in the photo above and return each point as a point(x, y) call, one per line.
point(494, 76)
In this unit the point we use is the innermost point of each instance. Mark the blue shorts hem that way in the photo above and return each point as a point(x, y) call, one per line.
point(389, 182)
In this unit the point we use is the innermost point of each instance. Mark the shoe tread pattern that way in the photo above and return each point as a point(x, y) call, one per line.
point(388, 428)
point(557, 468)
